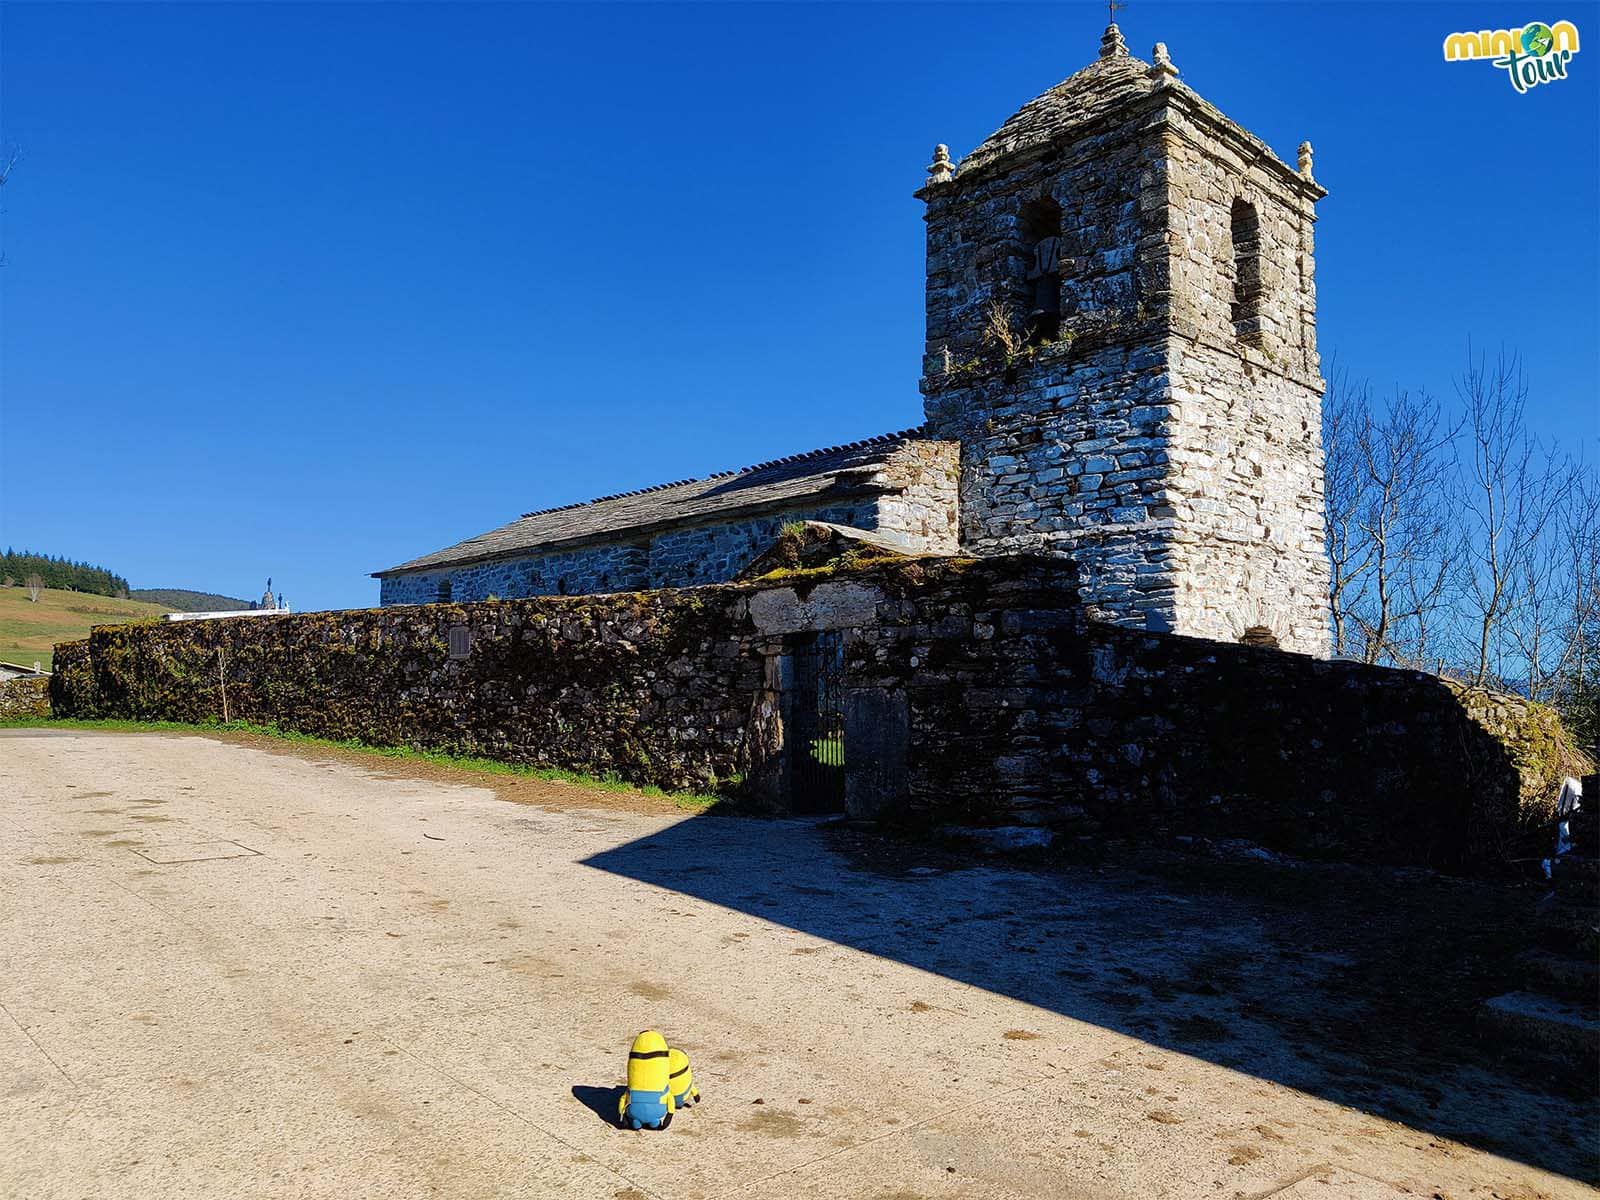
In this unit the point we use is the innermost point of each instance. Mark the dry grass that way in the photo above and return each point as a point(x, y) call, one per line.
point(29, 631)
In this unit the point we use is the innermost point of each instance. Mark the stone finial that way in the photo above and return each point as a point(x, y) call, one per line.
point(1111, 43)
point(1305, 160)
point(940, 169)
point(1161, 71)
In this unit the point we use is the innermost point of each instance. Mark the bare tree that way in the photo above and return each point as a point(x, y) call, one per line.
point(1345, 412)
point(1543, 586)
point(35, 585)
point(1459, 539)
point(1559, 630)
point(1404, 521)
point(1504, 503)
point(1387, 521)
point(9, 157)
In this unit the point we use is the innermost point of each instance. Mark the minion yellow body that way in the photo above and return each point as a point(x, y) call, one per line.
point(684, 1092)
point(646, 1103)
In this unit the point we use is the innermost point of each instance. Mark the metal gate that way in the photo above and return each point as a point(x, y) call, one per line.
point(816, 725)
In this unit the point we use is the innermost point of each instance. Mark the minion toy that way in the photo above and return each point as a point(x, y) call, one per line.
point(646, 1102)
point(684, 1092)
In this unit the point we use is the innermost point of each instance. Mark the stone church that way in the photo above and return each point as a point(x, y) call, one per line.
point(1120, 368)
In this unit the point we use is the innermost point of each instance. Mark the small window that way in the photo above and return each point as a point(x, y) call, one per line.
point(460, 641)
point(1040, 226)
point(1259, 635)
point(444, 590)
point(1245, 230)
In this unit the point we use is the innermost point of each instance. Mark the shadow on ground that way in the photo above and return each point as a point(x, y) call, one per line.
point(1356, 986)
point(601, 1101)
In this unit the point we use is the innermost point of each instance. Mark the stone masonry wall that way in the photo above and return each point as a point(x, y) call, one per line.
point(976, 692)
point(1064, 446)
point(1247, 484)
point(916, 505)
point(920, 510)
point(655, 687)
point(26, 696)
point(913, 503)
point(679, 557)
point(1247, 493)
point(419, 587)
point(605, 568)
point(1176, 457)
point(1020, 710)
point(716, 553)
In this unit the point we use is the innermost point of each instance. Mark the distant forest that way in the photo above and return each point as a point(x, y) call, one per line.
point(63, 573)
point(183, 600)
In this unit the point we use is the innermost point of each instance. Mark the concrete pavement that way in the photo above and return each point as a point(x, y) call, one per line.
point(229, 972)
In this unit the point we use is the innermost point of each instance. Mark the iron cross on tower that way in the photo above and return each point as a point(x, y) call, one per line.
point(1112, 7)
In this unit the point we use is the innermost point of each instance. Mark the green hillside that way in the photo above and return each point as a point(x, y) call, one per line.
point(183, 600)
point(29, 630)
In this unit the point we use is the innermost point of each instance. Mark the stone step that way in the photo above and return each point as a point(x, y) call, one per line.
point(1543, 1025)
point(1576, 977)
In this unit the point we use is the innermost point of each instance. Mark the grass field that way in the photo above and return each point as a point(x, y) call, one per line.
point(29, 630)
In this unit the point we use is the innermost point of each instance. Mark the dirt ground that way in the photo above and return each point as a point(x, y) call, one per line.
point(235, 969)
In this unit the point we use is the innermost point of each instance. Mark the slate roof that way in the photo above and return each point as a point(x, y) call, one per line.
point(1084, 99)
point(837, 472)
point(1102, 86)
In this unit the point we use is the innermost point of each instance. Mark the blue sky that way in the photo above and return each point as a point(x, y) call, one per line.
point(306, 290)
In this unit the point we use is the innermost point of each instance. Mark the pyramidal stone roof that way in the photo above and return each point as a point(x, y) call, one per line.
point(836, 472)
point(1109, 82)
point(1112, 82)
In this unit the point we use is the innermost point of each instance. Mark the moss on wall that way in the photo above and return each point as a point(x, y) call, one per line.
point(1513, 806)
point(653, 687)
point(27, 696)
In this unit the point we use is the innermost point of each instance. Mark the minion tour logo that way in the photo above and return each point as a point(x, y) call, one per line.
point(1537, 53)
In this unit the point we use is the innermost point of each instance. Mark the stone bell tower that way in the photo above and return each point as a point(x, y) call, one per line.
point(1121, 335)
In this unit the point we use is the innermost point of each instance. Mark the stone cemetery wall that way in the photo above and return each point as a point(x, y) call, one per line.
point(28, 696)
point(654, 687)
point(976, 692)
point(1022, 711)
